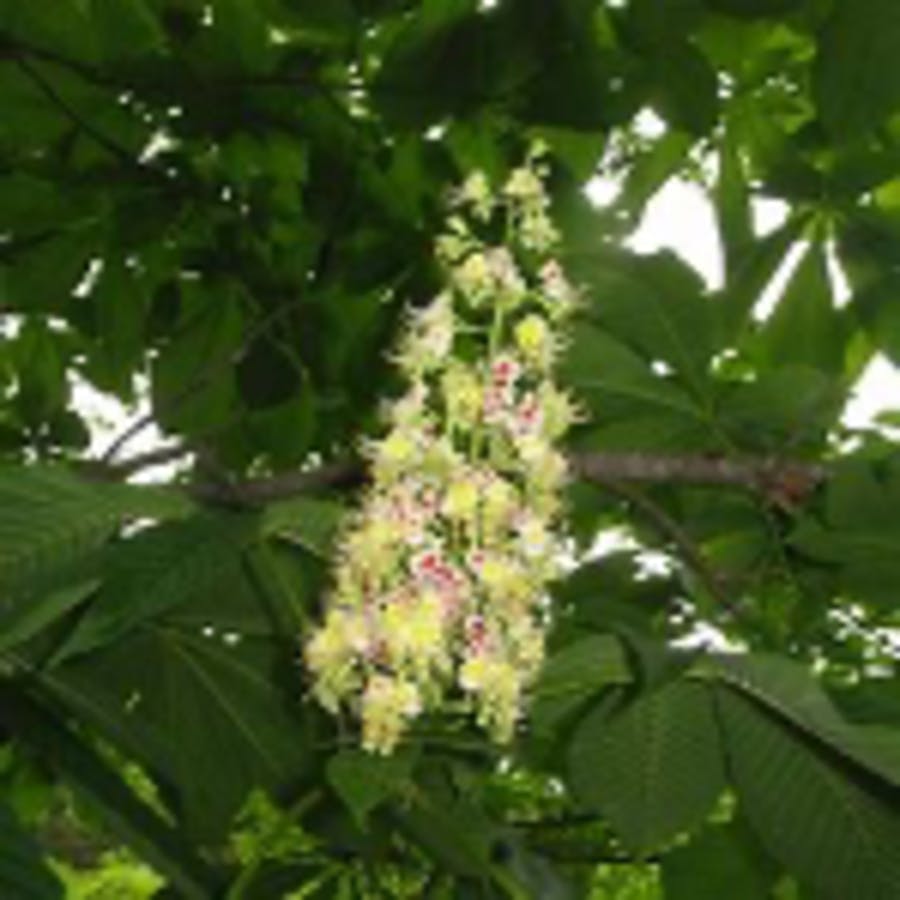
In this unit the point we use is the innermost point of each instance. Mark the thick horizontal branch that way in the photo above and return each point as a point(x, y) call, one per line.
point(259, 491)
point(751, 473)
point(782, 482)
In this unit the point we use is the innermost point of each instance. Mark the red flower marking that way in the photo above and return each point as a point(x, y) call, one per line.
point(476, 632)
point(528, 414)
point(428, 562)
point(504, 372)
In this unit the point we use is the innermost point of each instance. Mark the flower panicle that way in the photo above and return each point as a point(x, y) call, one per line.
point(440, 586)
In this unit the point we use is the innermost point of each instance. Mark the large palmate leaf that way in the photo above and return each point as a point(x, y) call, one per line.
point(860, 531)
point(751, 269)
point(159, 569)
point(27, 620)
point(457, 833)
point(789, 691)
point(573, 676)
point(126, 29)
point(655, 769)
point(50, 517)
point(306, 521)
point(103, 789)
point(656, 304)
point(203, 708)
point(442, 47)
point(821, 818)
point(630, 404)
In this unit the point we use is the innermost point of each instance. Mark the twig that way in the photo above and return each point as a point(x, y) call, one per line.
point(140, 461)
point(690, 552)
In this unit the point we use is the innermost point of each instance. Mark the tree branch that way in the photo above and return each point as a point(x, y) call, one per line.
point(259, 491)
point(669, 528)
point(768, 476)
point(688, 549)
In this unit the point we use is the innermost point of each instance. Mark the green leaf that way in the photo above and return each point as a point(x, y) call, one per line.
point(724, 861)
point(653, 770)
point(751, 272)
point(27, 620)
point(157, 570)
point(654, 302)
point(812, 813)
point(24, 874)
point(784, 406)
point(806, 328)
point(320, 24)
point(178, 699)
point(856, 82)
point(242, 35)
point(685, 91)
point(651, 170)
point(655, 23)
point(44, 278)
point(436, 64)
point(870, 702)
point(732, 202)
point(615, 382)
point(573, 675)
point(363, 781)
point(455, 832)
point(63, 27)
point(565, 76)
point(120, 302)
point(50, 517)
point(880, 314)
point(310, 523)
point(752, 9)
point(41, 364)
point(194, 377)
point(125, 29)
point(860, 532)
point(102, 788)
point(788, 690)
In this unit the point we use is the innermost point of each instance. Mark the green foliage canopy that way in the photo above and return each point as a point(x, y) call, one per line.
point(218, 210)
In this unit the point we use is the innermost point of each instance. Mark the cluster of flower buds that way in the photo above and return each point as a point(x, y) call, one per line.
point(439, 595)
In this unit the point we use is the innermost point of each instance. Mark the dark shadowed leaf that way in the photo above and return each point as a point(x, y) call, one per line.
point(655, 769)
point(23, 871)
point(817, 816)
point(177, 697)
point(857, 84)
point(725, 861)
point(365, 780)
point(574, 675)
point(159, 569)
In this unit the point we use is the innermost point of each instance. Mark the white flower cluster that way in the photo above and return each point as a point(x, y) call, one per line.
point(440, 587)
